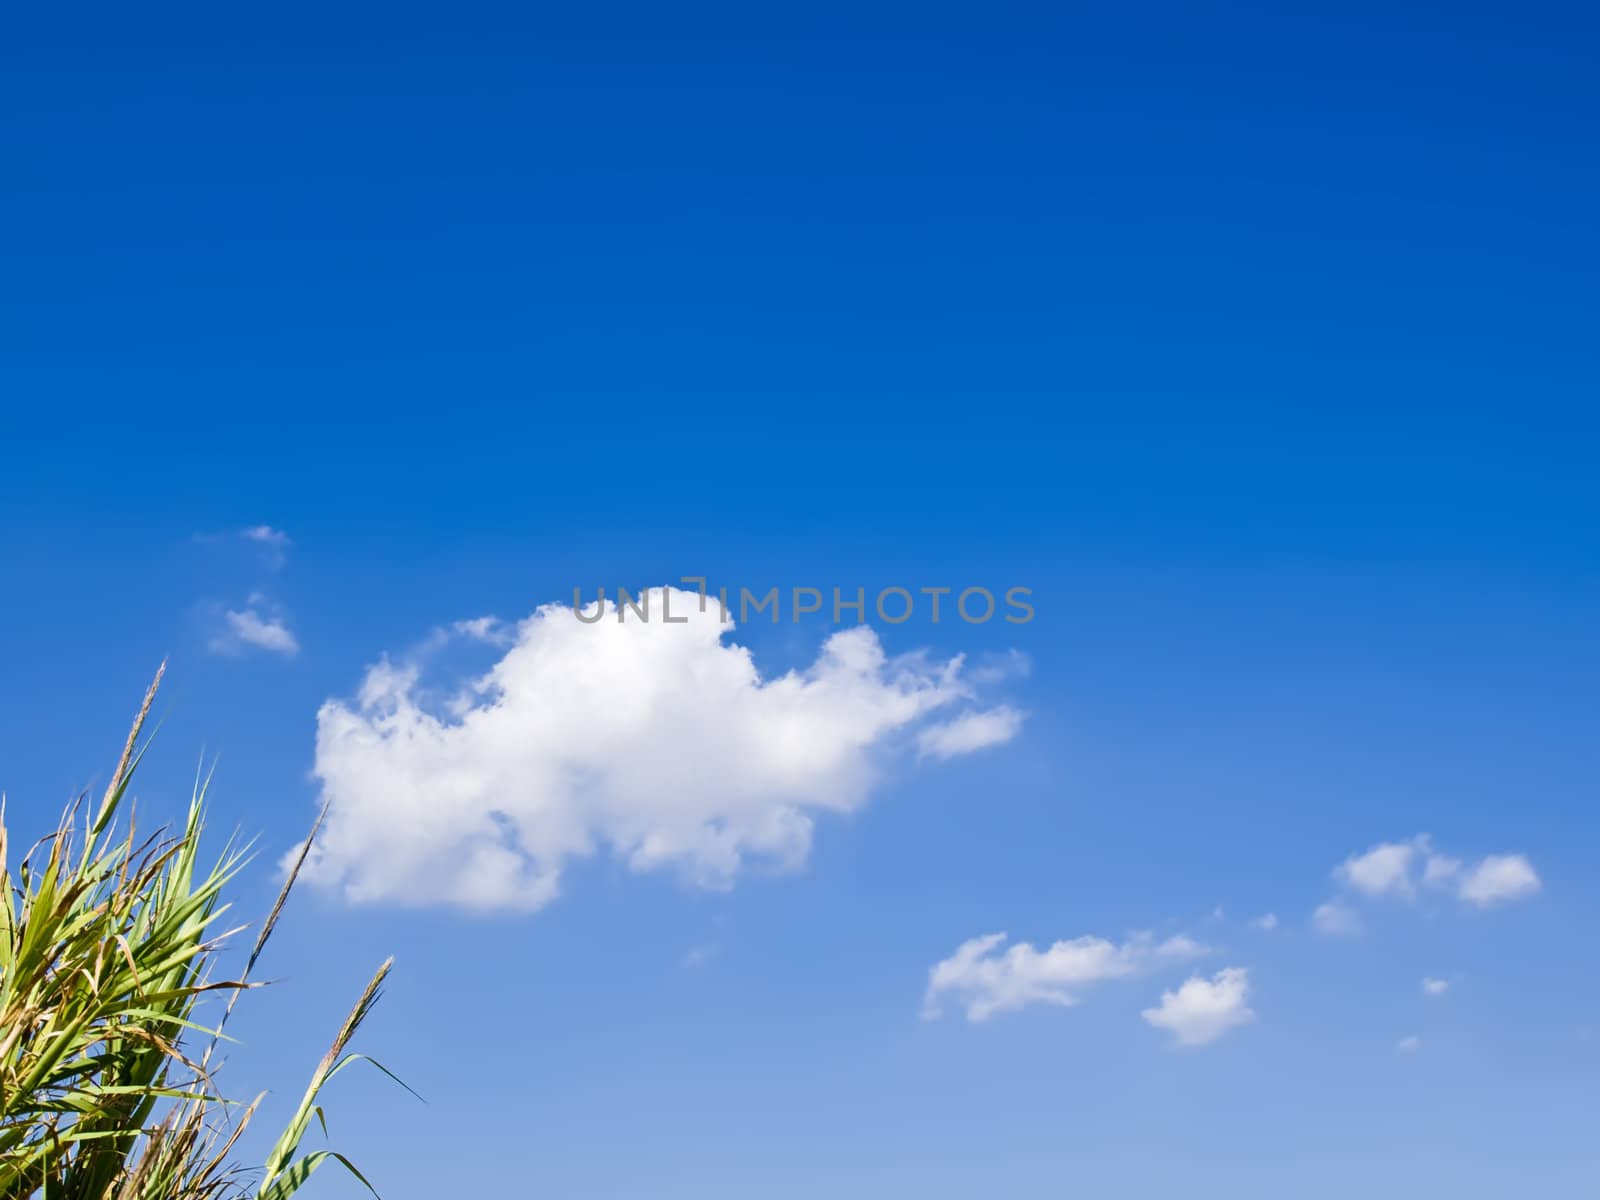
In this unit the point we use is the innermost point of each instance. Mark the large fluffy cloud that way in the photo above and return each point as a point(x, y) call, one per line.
point(658, 741)
point(986, 979)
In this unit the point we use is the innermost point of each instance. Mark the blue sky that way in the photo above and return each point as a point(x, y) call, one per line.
point(1258, 345)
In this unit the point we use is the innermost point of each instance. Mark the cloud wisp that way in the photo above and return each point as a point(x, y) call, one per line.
point(1498, 879)
point(1202, 1010)
point(984, 979)
point(970, 731)
point(659, 743)
point(1336, 919)
point(273, 543)
point(259, 625)
point(1405, 871)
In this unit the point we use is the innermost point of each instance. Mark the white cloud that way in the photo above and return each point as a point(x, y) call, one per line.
point(250, 628)
point(970, 731)
point(1202, 1010)
point(1336, 919)
point(274, 543)
point(485, 629)
point(1498, 878)
point(699, 956)
point(658, 742)
point(1435, 987)
point(1266, 921)
point(987, 980)
point(259, 624)
point(1399, 869)
point(1440, 870)
point(1408, 1045)
point(1385, 869)
point(1001, 668)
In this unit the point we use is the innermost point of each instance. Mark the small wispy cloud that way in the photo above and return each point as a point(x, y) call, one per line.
point(1266, 922)
point(1499, 878)
point(1403, 870)
point(969, 732)
point(1409, 1044)
point(986, 980)
point(259, 624)
point(1336, 919)
point(1435, 987)
point(274, 543)
point(271, 544)
point(699, 956)
point(1202, 1010)
point(250, 628)
point(491, 630)
point(1384, 870)
point(1001, 668)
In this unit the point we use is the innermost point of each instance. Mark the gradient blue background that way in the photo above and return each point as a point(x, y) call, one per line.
point(1260, 344)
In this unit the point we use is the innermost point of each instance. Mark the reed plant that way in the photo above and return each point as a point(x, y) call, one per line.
point(109, 942)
